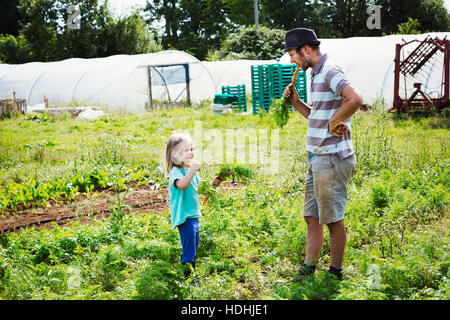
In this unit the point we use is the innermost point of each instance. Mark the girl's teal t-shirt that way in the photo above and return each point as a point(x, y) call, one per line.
point(183, 203)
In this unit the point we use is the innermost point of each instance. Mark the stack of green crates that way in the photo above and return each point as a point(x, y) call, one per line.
point(261, 99)
point(239, 91)
point(269, 82)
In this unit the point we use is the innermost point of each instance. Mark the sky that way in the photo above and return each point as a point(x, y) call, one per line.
point(124, 6)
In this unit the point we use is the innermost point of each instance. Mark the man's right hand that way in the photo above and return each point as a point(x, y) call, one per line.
point(291, 94)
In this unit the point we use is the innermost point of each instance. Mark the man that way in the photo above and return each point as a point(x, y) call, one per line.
point(331, 159)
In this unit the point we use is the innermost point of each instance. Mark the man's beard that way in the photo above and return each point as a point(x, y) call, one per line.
point(305, 66)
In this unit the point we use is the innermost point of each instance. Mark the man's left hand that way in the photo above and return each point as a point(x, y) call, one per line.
point(337, 129)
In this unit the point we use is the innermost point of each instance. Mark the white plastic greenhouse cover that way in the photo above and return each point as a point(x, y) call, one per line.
point(369, 64)
point(118, 82)
point(233, 73)
point(121, 81)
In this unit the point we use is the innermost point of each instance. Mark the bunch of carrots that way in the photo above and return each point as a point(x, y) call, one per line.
point(237, 173)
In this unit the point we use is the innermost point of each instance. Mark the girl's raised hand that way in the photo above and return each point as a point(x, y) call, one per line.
point(195, 165)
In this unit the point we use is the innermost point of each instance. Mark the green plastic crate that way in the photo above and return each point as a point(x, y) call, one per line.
point(238, 91)
point(225, 99)
point(260, 75)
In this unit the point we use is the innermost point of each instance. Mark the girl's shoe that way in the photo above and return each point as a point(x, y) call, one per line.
point(189, 267)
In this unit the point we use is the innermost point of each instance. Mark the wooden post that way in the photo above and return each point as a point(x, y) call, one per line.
point(188, 86)
point(149, 72)
point(447, 71)
point(397, 102)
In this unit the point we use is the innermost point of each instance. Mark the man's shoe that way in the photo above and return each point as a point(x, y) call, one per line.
point(335, 271)
point(306, 271)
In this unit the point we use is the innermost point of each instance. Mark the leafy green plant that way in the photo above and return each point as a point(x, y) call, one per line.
point(281, 111)
point(239, 173)
point(159, 281)
point(108, 267)
point(39, 117)
point(281, 108)
point(236, 172)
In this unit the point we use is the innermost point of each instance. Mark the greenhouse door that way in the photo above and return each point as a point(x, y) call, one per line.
point(170, 77)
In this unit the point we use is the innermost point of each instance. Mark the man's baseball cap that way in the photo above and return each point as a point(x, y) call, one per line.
point(298, 37)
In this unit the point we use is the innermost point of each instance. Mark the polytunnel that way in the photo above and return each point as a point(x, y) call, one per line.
point(117, 82)
point(122, 81)
point(233, 72)
point(369, 64)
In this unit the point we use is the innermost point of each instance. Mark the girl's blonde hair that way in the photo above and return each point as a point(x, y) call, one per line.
point(173, 145)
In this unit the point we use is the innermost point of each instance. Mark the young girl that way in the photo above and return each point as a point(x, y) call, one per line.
point(184, 203)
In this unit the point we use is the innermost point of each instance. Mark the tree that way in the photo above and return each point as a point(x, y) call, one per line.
point(190, 25)
point(14, 49)
point(10, 17)
point(412, 26)
point(129, 35)
point(44, 33)
point(240, 12)
point(39, 28)
point(285, 14)
point(263, 44)
point(431, 14)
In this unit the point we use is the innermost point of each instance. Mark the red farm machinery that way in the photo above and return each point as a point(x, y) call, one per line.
point(413, 76)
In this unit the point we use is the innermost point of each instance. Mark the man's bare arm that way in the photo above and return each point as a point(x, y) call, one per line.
point(351, 102)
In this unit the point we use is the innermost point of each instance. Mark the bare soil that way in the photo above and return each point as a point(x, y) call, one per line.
point(96, 205)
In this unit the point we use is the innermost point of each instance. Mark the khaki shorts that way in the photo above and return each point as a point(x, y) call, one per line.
point(326, 186)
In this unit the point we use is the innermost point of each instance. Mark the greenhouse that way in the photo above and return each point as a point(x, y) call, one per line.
point(123, 81)
point(118, 82)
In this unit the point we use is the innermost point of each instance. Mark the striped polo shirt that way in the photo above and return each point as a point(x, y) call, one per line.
point(327, 82)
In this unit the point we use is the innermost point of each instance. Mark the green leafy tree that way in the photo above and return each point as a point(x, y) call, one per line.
point(286, 15)
point(9, 17)
point(39, 28)
point(240, 12)
point(129, 35)
point(190, 25)
point(14, 49)
point(45, 35)
point(430, 14)
point(412, 26)
point(262, 44)
point(349, 18)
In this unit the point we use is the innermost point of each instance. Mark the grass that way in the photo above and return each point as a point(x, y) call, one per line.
point(253, 243)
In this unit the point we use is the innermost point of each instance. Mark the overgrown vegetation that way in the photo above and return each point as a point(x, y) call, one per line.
point(252, 245)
